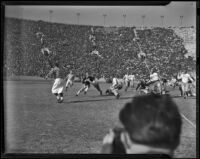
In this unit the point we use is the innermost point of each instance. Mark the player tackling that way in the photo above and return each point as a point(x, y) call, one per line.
point(87, 80)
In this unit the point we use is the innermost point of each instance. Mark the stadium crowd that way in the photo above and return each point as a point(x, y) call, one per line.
point(72, 45)
point(186, 33)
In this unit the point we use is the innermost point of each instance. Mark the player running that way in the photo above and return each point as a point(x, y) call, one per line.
point(132, 79)
point(87, 80)
point(184, 77)
point(126, 81)
point(70, 80)
point(57, 88)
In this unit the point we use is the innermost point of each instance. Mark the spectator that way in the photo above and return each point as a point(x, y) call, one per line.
point(72, 45)
point(151, 125)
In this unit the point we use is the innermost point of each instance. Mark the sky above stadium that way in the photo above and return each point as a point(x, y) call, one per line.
point(93, 15)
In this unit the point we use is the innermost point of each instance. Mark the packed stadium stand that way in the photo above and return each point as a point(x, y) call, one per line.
point(188, 34)
point(72, 45)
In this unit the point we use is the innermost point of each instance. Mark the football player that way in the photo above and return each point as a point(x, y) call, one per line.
point(57, 88)
point(184, 77)
point(132, 79)
point(154, 81)
point(70, 80)
point(126, 81)
point(87, 80)
point(116, 85)
point(142, 87)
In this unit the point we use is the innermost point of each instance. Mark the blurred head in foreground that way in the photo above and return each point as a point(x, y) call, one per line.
point(152, 125)
point(153, 121)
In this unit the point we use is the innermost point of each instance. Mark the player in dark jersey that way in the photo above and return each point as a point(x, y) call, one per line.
point(142, 87)
point(164, 83)
point(87, 81)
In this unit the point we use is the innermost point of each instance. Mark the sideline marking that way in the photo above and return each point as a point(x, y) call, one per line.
point(191, 123)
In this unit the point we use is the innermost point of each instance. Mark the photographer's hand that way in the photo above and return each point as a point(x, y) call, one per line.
point(108, 139)
point(107, 143)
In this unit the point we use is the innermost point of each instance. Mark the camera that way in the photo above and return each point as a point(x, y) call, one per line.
point(117, 145)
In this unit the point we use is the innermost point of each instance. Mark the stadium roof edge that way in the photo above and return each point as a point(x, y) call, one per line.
point(137, 27)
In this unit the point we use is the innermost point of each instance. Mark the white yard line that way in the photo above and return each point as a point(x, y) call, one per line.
point(191, 123)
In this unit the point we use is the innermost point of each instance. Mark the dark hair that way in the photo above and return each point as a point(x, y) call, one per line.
point(153, 120)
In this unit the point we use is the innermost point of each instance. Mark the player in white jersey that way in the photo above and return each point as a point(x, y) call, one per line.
point(184, 77)
point(70, 80)
point(154, 82)
point(116, 85)
point(154, 77)
point(57, 88)
point(191, 87)
point(126, 81)
point(132, 79)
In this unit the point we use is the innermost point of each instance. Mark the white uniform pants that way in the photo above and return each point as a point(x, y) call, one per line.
point(69, 83)
point(57, 86)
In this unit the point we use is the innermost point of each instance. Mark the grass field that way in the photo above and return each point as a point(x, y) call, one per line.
point(36, 123)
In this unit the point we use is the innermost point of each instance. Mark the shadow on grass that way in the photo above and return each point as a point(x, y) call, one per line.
point(192, 97)
point(96, 100)
point(114, 98)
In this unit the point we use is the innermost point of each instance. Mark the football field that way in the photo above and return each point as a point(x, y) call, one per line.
point(36, 123)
